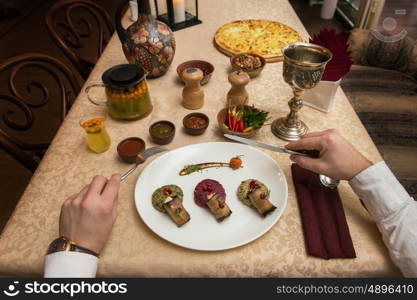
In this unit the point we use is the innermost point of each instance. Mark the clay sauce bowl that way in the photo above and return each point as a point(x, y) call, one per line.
point(165, 139)
point(128, 155)
point(206, 67)
point(195, 131)
point(251, 72)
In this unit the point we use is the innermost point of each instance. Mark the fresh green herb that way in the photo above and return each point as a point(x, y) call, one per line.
point(254, 117)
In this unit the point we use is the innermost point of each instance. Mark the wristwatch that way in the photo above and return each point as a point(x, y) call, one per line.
point(65, 244)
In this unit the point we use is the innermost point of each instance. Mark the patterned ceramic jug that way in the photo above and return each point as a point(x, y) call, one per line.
point(147, 42)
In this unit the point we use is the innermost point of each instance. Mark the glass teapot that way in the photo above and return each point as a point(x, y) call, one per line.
point(127, 92)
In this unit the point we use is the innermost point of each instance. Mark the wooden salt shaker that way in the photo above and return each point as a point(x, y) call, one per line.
point(193, 93)
point(238, 94)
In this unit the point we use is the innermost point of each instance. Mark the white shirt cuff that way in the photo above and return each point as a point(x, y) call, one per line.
point(380, 190)
point(70, 264)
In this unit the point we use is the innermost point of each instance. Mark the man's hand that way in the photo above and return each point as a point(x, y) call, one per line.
point(88, 217)
point(338, 158)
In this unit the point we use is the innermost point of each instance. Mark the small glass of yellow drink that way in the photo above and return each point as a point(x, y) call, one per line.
point(98, 140)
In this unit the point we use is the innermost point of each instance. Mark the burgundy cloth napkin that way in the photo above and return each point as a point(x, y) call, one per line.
point(324, 223)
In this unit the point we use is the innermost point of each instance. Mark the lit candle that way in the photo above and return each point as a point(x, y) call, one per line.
point(134, 10)
point(179, 10)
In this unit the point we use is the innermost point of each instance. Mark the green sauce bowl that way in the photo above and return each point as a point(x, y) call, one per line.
point(162, 132)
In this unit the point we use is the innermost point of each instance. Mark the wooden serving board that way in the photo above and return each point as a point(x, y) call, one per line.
point(268, 59)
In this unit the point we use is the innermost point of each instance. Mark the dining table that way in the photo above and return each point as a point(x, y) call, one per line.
point(133, 250)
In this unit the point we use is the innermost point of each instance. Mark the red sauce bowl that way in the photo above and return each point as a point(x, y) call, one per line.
point(129, 148)
point(195, 130)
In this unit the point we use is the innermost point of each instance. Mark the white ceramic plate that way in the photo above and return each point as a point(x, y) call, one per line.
point(203, 232)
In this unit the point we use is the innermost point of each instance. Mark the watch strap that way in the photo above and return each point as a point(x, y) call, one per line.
point(65, 244)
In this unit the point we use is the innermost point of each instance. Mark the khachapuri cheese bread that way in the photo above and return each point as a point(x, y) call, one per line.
point(262, 37)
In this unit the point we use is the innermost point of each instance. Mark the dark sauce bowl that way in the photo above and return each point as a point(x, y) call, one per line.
point(162, 139)
point(198, 130)
point(129, 148)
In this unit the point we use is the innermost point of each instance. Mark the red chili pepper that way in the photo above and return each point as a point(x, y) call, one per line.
point(241, 125)
point(167, 191)
point(238, 124)
point(234, 123)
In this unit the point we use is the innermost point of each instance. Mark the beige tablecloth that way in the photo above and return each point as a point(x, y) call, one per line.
point(133, 249)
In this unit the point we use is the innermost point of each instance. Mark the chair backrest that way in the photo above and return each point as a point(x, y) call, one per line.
point(33, 80)
point(71, 23)
point(369, 49)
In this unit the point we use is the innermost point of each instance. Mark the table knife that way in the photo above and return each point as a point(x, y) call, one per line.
point(308, 153)
point(141, 158)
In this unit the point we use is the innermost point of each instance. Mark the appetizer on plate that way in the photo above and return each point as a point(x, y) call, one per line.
point(255, 194)
point(168, 199)
point(210, 194)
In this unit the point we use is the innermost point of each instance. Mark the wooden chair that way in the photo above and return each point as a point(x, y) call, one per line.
point(25, 95)
point(382, 88)
point(73, 22)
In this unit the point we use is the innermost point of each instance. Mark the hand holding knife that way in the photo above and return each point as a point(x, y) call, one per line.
point(308, 153)
point(326, 181)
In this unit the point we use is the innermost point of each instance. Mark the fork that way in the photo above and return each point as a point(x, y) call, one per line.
point(141, 158)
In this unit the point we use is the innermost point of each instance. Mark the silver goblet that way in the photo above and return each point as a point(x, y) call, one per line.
point(303, 67)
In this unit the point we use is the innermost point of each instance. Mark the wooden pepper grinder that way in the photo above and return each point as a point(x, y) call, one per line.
point(238, 94)
point(193, 93)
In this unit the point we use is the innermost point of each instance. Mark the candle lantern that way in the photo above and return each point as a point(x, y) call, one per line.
point(178, 14)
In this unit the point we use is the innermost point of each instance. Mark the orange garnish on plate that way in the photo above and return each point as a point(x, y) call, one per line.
point(235, 163)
